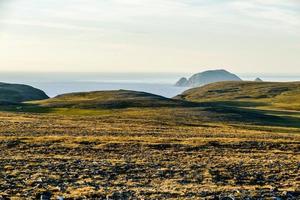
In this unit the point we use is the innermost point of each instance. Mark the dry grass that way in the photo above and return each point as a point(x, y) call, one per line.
point(276, 95)
point(162, 153)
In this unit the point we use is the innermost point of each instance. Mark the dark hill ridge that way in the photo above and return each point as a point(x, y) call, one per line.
point(17, 93)
point(111, 99)
point(285, 95)
point(207, 77)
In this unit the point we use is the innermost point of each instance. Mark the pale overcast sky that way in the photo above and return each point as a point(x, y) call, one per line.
point(150, 35)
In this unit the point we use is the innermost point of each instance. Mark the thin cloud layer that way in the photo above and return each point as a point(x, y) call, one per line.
point(204, 29)
point(102, 13)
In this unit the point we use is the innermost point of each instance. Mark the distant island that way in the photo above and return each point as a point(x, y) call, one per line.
point(258, 80)
point(207, 77)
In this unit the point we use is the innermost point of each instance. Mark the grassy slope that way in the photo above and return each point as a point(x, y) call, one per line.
point(220, 103)
point(122, 101)
point(248, 94)
point(110, 100)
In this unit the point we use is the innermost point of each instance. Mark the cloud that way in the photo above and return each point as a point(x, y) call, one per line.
point(37, 23)
point(94, 14)
point(278, 11)
point(134, 33)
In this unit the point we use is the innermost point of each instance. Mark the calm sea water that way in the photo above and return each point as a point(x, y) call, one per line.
point(157, 83)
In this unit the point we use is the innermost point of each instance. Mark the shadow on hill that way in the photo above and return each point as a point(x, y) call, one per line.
point(93, 106)
point(221, 112)
point(122, 104)
point(24, 108)
point(233, 104)
point(252, 116)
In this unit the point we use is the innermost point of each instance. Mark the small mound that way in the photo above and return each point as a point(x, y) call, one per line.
point(110, 99)
point(16, 93)
point(282, 95)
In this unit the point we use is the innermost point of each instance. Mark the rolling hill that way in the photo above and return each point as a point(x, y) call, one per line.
point(285, 95)
point(17, 93)
point(110, 99)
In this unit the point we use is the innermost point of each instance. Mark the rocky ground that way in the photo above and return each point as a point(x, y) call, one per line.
point(143, 157)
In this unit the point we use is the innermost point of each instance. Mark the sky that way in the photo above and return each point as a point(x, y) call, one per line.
point(174, 36)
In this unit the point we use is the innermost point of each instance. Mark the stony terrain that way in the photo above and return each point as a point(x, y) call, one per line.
point(146, 153)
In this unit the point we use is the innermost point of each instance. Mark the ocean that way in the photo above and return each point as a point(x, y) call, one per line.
point(157, 83)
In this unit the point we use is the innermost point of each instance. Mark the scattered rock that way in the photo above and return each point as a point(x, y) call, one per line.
point(230, 197)
point(44, 196)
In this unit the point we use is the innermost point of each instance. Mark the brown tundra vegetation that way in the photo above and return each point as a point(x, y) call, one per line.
point(206, 150)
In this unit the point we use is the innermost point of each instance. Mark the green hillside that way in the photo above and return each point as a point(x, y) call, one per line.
point(110, 99)
point(216, 108)
point(17, 93)
point(248, 94)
